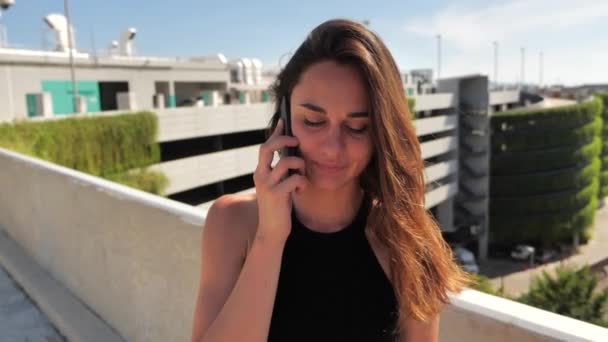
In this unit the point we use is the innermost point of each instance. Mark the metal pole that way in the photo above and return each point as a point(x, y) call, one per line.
point(438, 56)
point(523, 54)
point(496, 63)
point(540, 77)
point(70, 47)
point(3, 35)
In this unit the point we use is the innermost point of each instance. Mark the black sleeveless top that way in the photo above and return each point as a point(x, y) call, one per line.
point(332, 287)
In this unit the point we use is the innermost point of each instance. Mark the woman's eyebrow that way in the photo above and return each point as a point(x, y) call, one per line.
point(322, 111)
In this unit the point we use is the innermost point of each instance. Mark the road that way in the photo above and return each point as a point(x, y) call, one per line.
point(517, 281)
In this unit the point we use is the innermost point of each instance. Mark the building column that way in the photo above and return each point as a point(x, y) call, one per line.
point(445, 214)
point(244, 97)
point(171, 97)
point(473, 198)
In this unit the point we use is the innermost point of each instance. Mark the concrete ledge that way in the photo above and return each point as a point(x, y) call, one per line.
point(131, 257)
point(475, 316)
point(69, 315)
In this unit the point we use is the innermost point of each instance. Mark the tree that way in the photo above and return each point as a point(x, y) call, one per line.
point(570, 293)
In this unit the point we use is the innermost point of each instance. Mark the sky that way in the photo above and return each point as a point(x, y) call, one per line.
point(572, 35)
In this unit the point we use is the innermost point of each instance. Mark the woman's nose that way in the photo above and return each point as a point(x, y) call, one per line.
point(333, 143)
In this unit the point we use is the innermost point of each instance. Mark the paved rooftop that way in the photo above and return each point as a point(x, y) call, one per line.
point(20, 318)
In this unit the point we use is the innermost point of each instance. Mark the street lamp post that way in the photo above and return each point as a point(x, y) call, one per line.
point(540, 76)
point(496, 64)
point(438, 56)
point(70, 52)
point(532, 251)
point(4, 6)
point(523, 61)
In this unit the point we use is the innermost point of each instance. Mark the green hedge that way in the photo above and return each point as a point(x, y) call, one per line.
point(546, 169)
point(544, 182)
point(544, 227)
point(604, 176)
point(104, 146)
point(521, 162)
point(547, 138)
point(546, 203)
point(604, 184)
point(567, 116)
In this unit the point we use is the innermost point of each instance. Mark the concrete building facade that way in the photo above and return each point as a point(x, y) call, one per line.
point(100, 81)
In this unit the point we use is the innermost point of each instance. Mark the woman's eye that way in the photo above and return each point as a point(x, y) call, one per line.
point(358, 130)
point(319, 123)
point(312, 123)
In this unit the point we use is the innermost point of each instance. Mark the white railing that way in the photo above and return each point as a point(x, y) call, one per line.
point(192, 172)
point(197, 122)
point(440, 194)
point(435, 124)
point(440, 170)
point(435, 101)
point(438, 146)
point(504, 97)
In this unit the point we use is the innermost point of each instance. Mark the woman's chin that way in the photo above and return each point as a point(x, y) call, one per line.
point(328, 184)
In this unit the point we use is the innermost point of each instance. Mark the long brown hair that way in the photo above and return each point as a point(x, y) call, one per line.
point(422, 267)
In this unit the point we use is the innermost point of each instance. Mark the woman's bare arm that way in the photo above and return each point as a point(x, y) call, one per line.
point(235, 299)
point(417, 331)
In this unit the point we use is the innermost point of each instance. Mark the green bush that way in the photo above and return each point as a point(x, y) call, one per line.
point(106, 146)
point(154, 182)
point(482, 283)
point(571, 292)
point(411, 104)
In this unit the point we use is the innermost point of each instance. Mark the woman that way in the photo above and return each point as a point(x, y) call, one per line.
point(344, 249)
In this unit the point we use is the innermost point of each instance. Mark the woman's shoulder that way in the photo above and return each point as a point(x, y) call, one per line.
point(235, 217)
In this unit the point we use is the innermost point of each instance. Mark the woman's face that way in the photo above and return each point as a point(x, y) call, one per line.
point(330, 118)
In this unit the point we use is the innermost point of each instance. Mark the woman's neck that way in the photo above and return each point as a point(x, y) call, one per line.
point(327, 211)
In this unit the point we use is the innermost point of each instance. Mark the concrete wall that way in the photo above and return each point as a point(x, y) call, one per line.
point(133, 258)
point(478, 317)
point(7, 95)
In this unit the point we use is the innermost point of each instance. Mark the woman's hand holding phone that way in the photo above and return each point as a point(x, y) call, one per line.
point(274, 189)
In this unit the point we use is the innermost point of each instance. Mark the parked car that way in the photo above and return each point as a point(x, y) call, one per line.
point(522, 252)
point(191, 102)
point(466, 259)
point(546, 255)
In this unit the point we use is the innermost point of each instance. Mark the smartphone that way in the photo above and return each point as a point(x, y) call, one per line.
point(286, 116)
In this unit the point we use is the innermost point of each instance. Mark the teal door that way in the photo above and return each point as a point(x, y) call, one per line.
point(61, 93)
point(32, 105)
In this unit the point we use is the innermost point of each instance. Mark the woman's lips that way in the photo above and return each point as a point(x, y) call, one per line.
point(329, 168)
